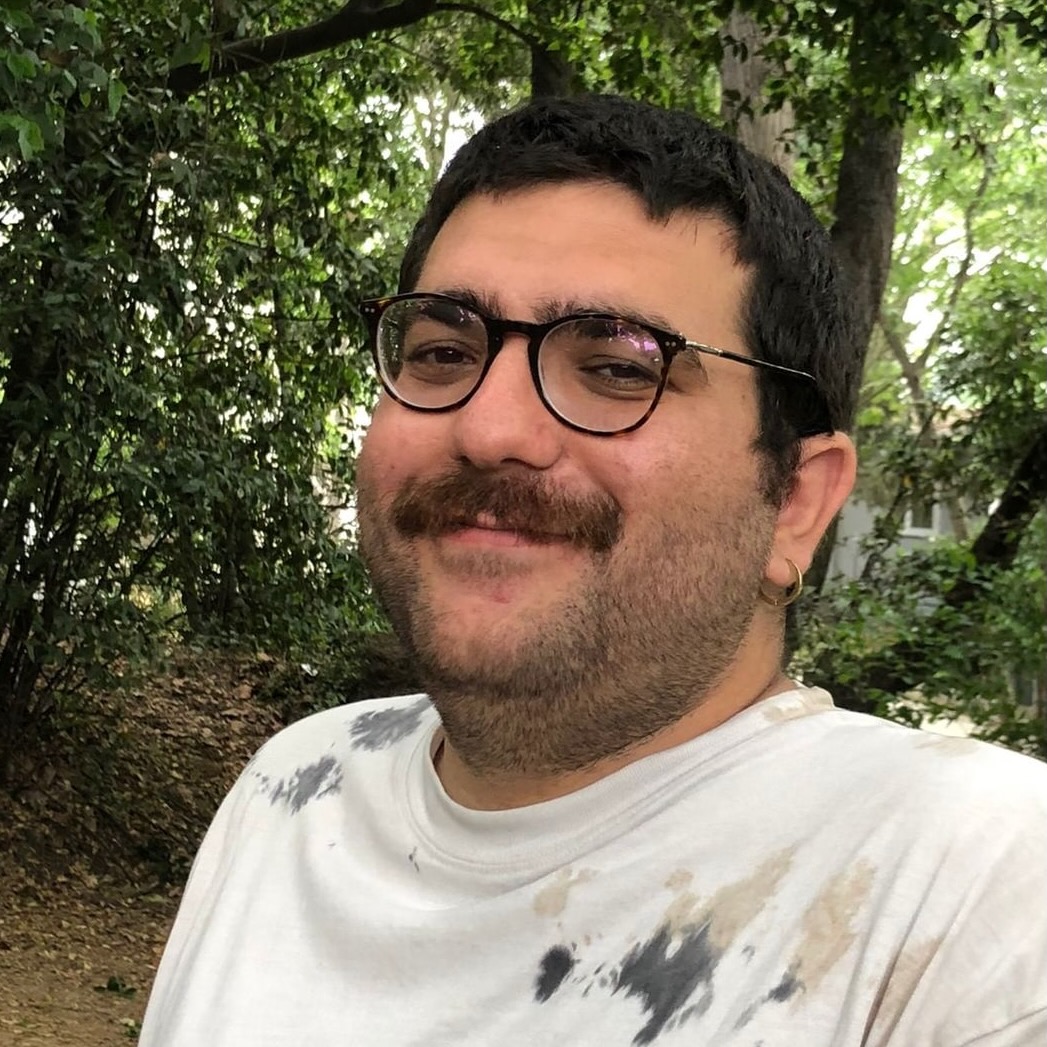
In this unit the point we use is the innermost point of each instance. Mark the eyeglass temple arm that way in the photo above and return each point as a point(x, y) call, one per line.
point(791, 372)
point(728, 355)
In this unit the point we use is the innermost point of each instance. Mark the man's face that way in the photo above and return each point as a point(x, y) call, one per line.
point(580, 591)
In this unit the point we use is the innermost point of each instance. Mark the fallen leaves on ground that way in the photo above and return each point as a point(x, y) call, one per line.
point(93, 853)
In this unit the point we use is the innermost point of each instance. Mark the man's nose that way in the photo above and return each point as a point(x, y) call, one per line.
point(505, 420)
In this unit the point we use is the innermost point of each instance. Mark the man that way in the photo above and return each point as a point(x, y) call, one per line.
point(616, 388)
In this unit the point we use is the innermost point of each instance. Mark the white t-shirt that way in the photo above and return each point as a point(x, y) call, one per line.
point(800, 876)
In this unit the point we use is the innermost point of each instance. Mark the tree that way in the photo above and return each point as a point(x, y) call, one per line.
point(196, 195)
point(954, 410)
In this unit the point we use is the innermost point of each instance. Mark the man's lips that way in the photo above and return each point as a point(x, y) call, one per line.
point(487, 530)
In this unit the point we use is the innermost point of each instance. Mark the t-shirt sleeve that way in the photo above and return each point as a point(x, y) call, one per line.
point(1030, 1031)
point(980, 937)
point(233, 821)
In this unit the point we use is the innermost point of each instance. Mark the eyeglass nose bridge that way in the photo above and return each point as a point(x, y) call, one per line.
point(497, 329)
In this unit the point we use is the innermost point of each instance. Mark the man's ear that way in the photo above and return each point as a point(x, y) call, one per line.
point(823, 480)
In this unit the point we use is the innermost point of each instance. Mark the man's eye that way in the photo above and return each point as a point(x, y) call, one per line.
point(614, 375)
point(436, 355)
point(443, 361)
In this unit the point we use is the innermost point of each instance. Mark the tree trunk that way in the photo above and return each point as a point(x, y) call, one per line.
point(866, 198)
point(744, 71)
point(867, 180)
point(551, 73)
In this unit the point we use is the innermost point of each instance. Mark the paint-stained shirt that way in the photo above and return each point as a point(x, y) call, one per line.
point(801, 876)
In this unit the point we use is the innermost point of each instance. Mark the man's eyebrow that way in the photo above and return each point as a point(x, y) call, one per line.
point(551, 308)
point(481, 301)
point(548, 309)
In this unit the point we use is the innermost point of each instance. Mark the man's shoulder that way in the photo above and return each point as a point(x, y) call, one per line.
point(816, 729)
point(937, 773)
point(897, 772)
point(369, 726)
point(922, 747)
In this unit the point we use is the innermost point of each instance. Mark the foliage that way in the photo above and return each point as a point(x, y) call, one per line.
point(955, 397)
point(115, 984)
point(176, 331)
point(362, 666)
point(981, 662)
point(188, 219)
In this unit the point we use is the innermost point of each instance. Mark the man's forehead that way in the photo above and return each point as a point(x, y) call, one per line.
point(629, 200)
point(546, 251)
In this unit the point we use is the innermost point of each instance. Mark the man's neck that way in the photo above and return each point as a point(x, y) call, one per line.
point(490, 791)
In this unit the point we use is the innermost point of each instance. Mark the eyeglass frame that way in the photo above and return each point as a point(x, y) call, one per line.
point(670, 343)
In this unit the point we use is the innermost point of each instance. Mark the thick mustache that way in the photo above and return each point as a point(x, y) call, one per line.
point(517, 503)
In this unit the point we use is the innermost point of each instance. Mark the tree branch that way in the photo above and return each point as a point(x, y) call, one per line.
point(911, 373)
point(1022, 499)
point(354, 21)
point(964, 272)
point(490, 16)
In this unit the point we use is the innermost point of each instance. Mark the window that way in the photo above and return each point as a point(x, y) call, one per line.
point(921, 518)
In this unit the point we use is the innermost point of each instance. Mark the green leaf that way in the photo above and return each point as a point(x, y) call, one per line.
point(22, 65)
point(196, 51)
point(115, 94)
point(30, 137)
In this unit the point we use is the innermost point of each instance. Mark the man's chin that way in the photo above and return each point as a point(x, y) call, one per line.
point(481, 653)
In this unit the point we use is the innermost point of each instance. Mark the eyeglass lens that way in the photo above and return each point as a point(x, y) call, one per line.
point(596, 373)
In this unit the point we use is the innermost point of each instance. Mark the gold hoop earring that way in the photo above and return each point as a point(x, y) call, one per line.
point(790, 594)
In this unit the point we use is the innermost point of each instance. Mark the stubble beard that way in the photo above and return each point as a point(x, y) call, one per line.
point(644, 636)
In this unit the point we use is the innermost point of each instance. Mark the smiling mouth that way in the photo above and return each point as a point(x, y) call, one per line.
point(489, 526)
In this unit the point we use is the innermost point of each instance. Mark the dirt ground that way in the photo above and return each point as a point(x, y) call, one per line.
point(93, 854)
point(75, 969)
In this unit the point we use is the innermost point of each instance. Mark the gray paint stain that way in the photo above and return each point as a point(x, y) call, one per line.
point(311, 782)
point(786, 988)
point(747, 1015)
point(381, 728)
point(555, 965)
point(663, 981)
point(671, 973)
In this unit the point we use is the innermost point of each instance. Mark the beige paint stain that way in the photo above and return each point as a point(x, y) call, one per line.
point(949, 744)
point(679, 880)
point(799, 705)
point(901, 983)
point(826, 928)
point(732, 907)
point(552, 899)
